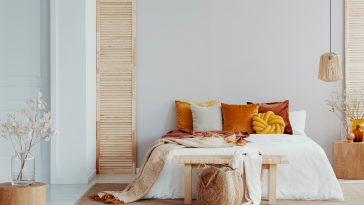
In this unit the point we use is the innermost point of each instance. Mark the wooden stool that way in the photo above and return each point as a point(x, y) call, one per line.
point(194, 161)
point(34, 194)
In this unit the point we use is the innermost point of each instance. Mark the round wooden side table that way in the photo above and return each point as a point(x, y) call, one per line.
point(34, 194)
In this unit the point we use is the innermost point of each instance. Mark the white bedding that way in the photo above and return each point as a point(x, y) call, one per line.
point(308, 176)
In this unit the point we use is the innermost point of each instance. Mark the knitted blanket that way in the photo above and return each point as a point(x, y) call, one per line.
point(154, 162)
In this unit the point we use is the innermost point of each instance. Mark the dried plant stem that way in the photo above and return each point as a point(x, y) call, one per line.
point(347, 106)
point(22, 161)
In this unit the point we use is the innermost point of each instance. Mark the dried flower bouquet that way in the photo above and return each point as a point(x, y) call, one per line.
point(27, 128)
point(347, 106)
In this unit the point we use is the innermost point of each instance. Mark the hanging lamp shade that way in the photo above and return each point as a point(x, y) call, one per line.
point(330, 67)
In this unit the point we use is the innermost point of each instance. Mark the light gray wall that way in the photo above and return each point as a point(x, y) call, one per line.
point(24, 69)
point(234, 51)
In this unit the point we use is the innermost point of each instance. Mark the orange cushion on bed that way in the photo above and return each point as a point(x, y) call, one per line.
point(238, 118)
point(279, 108)
point(184, 114)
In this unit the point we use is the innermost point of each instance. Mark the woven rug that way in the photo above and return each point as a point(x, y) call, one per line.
point(354, 195)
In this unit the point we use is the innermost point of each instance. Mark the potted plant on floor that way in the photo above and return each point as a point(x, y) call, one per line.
point(25, 129)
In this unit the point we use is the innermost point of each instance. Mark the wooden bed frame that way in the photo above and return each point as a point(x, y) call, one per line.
point(195, 161)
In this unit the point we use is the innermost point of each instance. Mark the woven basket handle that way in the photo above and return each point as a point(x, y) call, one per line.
point(210, 180)
point(213, 175)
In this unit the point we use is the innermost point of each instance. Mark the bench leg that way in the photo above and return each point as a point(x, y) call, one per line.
point(188, 184)
point(272, 184)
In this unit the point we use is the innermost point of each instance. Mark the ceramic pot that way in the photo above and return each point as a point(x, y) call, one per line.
point(356, 122)
point(350, 137)
point(358, 134)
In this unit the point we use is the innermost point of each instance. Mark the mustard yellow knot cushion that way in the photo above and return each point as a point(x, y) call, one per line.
point(268, 123)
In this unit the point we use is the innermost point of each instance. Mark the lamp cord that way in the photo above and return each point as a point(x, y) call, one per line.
point(330, 26)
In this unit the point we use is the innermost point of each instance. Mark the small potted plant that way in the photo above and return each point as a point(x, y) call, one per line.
point(25, 129)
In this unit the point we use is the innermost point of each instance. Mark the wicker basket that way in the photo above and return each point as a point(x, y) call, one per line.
point(220, 186)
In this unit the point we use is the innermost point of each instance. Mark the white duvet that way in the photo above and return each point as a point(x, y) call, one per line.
point(308, 176)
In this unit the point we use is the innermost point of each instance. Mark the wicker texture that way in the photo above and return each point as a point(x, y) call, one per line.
point(330, 67)
point(220, 186)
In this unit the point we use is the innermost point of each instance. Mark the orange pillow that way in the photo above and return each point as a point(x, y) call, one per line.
point(184, 114)
point(238, 118)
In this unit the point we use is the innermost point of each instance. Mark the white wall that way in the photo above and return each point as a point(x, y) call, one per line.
point(90, 55)
point(24, 69)
point(234, 51)
point(73, 89)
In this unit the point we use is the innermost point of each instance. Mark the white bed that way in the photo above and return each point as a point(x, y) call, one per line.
point(308, 176)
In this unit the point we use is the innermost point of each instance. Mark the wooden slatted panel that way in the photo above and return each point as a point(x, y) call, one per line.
point(354, 45)
point(354, 52)
point(116, 86)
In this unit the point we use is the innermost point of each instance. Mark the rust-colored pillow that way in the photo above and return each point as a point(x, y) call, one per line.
point(184, 113)
point(279, 108)
point(238, 118)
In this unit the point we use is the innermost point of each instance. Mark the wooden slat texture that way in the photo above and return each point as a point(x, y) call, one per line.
point(224, 159)
point(116, 86)
point(354, 45)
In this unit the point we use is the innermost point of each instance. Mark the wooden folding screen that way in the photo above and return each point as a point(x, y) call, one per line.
point(354, 45)
point(116, 86)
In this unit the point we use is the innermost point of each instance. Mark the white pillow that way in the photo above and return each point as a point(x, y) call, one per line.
point(298, 121)
point(206, 118)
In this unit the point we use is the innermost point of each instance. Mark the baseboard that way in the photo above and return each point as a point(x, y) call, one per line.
point(92, 176)
point(351, 181)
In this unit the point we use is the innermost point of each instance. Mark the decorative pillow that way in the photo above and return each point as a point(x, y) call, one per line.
point(238, 118)
point(298, 121)
point(279, 108)
point(268, 123)
point(206, 118)
point(184, 114)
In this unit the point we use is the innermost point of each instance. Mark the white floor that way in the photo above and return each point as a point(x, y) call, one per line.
point(68, 194)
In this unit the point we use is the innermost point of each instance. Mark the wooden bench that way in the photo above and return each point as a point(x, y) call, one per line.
point(195, 161)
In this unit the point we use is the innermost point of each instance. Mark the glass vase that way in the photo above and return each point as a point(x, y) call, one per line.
point(22, 169)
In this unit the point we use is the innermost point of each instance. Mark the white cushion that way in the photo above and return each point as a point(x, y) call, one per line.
point(206, 118)
point(298, 121)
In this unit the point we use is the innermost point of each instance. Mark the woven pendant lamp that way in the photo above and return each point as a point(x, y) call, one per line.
point(330, 66)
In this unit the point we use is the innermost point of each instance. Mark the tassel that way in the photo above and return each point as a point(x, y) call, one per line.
point(106, 199)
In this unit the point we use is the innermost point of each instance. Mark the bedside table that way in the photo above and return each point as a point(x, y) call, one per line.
point(348, 160)
point(34, 194)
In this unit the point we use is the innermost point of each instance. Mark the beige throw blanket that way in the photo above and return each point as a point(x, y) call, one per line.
point(249, 162)
point(154, 163)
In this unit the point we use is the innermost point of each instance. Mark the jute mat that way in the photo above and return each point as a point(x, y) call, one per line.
point(354, 195)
